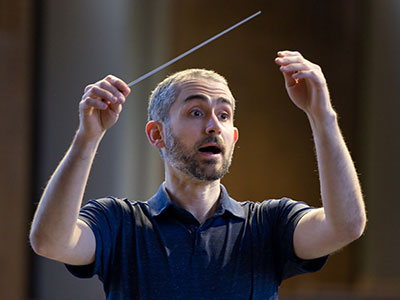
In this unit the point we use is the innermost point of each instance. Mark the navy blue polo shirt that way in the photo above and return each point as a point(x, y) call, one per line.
point(157, 250)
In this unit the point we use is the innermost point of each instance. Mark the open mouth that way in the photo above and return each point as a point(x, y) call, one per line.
point(211, 150)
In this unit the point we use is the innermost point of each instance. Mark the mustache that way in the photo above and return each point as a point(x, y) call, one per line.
point(211, 139)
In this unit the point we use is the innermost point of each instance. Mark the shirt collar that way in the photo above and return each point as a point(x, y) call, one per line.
point(161, 201)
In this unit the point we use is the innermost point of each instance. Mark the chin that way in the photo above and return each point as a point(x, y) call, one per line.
point(210, 175)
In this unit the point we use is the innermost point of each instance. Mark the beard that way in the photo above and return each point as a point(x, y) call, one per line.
point(187, 160)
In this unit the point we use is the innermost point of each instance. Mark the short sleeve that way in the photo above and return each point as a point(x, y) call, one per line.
point(284, 214)
point(103, 218)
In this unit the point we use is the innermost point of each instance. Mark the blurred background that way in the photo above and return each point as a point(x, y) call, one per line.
point(50, 50)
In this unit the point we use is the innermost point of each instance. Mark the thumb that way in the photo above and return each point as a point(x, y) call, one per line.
point(289, 81)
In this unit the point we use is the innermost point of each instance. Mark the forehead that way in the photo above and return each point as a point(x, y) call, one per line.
point(203, 87)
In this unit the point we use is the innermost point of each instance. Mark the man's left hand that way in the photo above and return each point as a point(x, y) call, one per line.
point(305, 84)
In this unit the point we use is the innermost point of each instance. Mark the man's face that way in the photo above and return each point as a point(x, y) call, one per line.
point(200, 136)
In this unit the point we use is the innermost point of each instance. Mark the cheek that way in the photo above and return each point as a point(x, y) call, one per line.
point(188, 130)
point(186, 137)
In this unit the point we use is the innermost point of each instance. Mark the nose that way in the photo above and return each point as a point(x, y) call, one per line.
point(213, 126)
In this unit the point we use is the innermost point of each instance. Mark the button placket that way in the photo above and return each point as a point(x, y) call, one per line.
point(197, 241)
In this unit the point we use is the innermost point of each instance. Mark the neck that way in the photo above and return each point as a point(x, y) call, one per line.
point(198, 197)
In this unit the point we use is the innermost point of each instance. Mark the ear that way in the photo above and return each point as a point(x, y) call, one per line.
point(235, 135)
point(154, 132)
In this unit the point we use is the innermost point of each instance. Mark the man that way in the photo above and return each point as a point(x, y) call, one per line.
point(191, 240)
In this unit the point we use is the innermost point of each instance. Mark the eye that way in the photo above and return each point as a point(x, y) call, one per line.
point(196, 113)
point(224, 116)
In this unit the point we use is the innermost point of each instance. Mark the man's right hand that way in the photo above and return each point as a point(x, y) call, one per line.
point(56, 231)
point(101, 105)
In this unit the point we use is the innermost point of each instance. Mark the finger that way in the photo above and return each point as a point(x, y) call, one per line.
point(89, 103)
point(96, 91)
point(107, 85)
point(289, 80)
point(282, 61)
point(119, 84)
point(289, 53)
point(88, 87)
point(294, 67)
point(116, 108)
point(314, 76)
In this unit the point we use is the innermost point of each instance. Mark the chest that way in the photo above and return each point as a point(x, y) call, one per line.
point(223, 256)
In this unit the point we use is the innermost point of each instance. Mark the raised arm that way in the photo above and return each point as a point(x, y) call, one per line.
point(56, 231)
point(342, 218)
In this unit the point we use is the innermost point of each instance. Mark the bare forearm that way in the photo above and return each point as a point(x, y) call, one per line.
point(56, 216)
point(340, 188)
point(342, 217)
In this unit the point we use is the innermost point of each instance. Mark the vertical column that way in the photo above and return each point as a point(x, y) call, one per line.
point(16, 20)
point(380, 129)
point(82, 43)
point(139, 164)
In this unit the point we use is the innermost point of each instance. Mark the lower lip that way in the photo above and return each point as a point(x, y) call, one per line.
point(210, 155)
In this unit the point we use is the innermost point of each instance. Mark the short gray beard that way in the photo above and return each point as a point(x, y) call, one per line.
point(185, 159)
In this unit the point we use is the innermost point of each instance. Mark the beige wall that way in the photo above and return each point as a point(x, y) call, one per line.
point(16, 20)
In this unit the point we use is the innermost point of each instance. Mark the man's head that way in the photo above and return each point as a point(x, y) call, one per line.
point(166, 91)
point(191, 122)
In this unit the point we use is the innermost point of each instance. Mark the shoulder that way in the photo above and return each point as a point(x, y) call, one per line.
point(113, 202)
point(274, 210)
point(113, 207)
point(271, 205)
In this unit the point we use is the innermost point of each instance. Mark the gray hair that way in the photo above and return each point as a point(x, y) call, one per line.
point(164, 95)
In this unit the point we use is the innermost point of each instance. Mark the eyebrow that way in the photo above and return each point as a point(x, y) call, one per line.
point(204, 98)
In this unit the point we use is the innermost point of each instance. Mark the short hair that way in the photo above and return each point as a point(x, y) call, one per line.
point(164, 95)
